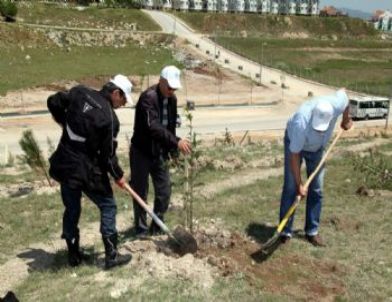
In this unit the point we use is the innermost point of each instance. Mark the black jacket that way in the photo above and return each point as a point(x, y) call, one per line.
point(150, 136)
point(87, 148)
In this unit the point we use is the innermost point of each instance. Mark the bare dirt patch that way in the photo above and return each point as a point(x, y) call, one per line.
point(345, 224)
point(204, 85)
point(235, 253)
point(226, 253)
point(155, 259)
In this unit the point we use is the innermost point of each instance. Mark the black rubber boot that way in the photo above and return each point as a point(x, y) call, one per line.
point(112, 256)
point(75, 255)
point(82, 256)
point(73, 252)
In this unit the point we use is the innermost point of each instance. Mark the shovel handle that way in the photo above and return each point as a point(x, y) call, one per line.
point(147, 209)
point(291, 210)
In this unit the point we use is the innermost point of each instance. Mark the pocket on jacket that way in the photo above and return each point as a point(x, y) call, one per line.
point(97, 179)
point(68, 167)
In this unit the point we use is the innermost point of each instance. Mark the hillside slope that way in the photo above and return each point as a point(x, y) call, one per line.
point(282, 26)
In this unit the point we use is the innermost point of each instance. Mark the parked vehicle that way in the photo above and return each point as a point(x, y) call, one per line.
point(369, 107)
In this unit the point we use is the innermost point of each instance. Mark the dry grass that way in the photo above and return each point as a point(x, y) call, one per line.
point(349, 269)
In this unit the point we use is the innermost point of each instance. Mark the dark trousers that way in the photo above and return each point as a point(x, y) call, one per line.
point(72, 203)
point(141, 167)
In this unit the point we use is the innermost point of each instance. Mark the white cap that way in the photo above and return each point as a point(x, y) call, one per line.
point(172, 75)
point(322, 115)
point(125, 85)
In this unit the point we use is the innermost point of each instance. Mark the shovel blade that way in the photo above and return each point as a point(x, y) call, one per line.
point(271, 244)
point(183, 242)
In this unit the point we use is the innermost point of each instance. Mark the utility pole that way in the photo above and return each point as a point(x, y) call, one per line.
point(22, 102)
point(260, 63)
point(214, 45)
point(282, 85)
point(174, 25)
point(251, 89)
point(262, 60)
point(219, 86)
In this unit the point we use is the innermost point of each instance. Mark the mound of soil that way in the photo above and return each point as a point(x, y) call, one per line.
point(155, 259)
point(224, 253)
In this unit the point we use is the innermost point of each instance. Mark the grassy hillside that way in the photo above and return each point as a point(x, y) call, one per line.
point(267, 25)
point(92, 17)
point(335, 51)
point(358, 65)
point(32, 59)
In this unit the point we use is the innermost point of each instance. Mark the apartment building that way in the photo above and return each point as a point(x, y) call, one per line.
point(273, 7)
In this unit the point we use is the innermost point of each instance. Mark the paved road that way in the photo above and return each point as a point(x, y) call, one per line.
point(297, 87)
point(206, 121)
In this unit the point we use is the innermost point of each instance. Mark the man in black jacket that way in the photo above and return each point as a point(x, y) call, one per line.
point(84, 156)
point(153, 139)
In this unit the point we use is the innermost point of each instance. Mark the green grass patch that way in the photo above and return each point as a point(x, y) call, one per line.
point(28, 219)
point(35, 218)
point(48, 64)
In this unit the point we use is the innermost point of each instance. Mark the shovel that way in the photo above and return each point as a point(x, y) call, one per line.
point(184, 242)
point(274, 239)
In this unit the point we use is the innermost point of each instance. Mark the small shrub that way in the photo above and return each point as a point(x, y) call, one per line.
point(51, 146)
point(11, 160)
point(191, 170)
point(376, 169)
point(8, 10)
point(385, 134)
point(32, 154)
point(83, 2)
point(228, 138)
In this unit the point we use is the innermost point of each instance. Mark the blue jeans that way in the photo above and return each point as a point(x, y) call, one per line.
point(72, 203)
point(315, 192)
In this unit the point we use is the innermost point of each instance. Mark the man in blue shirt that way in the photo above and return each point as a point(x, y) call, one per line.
point(307, 133)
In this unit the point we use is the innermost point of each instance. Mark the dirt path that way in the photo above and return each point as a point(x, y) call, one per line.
point(204, 85)
point(238, 180)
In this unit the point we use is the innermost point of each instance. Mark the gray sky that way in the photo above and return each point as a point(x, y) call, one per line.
point(363, 5)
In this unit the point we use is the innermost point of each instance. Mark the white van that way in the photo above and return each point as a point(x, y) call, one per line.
point(369, 107)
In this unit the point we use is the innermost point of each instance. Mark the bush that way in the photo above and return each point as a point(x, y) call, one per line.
point(8, 10)
point(376, 170)
point(123, 3)
point(83, 2)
